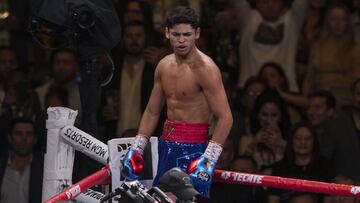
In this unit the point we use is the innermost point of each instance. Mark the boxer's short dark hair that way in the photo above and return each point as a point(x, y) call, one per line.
point(183, 15)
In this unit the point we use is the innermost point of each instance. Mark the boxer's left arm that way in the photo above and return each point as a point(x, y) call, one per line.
point(210, 81)
point(202, 169)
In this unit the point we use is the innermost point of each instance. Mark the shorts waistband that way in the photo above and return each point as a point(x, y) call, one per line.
point(185, 132)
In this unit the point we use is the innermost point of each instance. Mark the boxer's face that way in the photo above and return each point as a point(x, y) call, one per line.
point(182, 38)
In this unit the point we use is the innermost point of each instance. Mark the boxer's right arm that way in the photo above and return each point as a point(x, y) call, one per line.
point(133, 162)
point(154, 107)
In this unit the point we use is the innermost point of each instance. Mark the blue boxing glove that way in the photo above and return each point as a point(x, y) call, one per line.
point(201, 170)
point(132, 166)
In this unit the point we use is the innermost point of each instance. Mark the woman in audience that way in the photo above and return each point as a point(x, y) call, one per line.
point(276, 79)
point(274, 76)
point(245, 100)
point(302, 161)
point(269, 125)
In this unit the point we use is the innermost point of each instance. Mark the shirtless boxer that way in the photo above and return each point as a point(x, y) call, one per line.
point(190, 83)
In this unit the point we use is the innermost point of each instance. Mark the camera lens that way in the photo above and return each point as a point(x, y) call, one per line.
point(86, 19)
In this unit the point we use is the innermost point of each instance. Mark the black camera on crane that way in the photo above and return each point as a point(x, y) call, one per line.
point(135, 192)
point(92, 26)
point(174, 181)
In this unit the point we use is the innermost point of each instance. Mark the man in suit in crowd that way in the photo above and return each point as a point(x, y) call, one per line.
point(21, 170)
point(126, 96)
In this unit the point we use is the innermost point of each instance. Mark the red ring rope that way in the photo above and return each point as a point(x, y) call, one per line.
point(232, 177)
point(103, 177)
point(98, 178)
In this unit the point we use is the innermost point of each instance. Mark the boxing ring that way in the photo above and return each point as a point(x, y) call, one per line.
point(64, 138)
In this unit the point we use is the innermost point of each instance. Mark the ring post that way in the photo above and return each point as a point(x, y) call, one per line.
point(59, 156)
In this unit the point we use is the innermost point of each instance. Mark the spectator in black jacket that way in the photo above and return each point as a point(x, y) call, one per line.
point(21, 170)
point(125, 98)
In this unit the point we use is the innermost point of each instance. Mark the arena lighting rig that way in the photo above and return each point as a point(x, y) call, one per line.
point(64, 138)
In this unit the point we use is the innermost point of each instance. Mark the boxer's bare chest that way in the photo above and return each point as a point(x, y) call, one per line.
point(180, 82)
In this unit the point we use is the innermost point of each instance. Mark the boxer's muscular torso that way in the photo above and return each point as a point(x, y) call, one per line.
point(193, 91)
point(185, 98)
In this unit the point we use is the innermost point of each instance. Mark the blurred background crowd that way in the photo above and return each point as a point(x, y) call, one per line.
point(291, 69)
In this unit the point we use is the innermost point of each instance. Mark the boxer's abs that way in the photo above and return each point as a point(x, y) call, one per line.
point(196, 111)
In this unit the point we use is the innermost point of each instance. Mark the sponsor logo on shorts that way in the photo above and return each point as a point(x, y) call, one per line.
point(355, 190)
point(203, 176)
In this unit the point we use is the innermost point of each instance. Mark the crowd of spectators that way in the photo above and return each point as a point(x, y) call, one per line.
point(291, 69)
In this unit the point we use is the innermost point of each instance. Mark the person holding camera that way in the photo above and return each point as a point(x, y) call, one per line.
point(190, 84)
